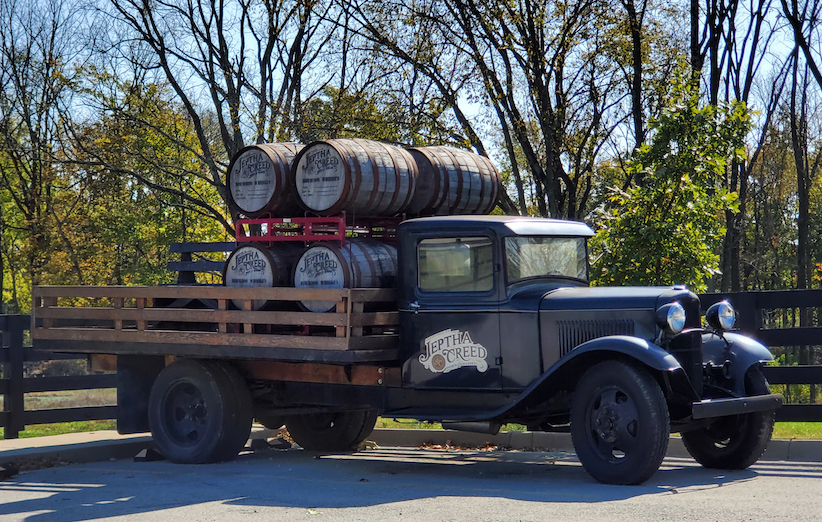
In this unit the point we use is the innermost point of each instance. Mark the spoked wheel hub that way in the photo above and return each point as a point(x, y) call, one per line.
point(614, 423)
point(186, 413)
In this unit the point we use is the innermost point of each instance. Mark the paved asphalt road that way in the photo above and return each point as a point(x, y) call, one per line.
point(388, 484)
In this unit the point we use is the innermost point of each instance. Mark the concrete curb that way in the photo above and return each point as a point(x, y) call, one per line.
point(779, 449)
point(107, 445)
point(93, 446)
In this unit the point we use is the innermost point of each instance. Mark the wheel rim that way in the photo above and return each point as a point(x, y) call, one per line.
point(185, 413)
point(613, 423)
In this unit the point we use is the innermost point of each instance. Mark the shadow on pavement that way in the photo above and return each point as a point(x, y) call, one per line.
point(299, 479)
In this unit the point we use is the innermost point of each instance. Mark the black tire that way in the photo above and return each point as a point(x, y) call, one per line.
point(199, 412)
point(339, 431)
point(241, 412)
point(619, 423)
point(737, 441)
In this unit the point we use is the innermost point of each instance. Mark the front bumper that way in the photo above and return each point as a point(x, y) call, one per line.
point(710, 408)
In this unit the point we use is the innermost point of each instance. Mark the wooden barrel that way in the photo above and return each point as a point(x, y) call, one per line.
point(453, 181)
point(363, 177)
point(361, 263)
point(260, 179)
point(255, 265)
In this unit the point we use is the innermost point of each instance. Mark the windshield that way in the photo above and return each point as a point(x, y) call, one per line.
point(531, 256)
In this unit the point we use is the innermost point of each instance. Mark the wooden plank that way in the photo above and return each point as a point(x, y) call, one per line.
point(793, 374)
point(373, 295)
point(195, 266)
point(224, 246)
point(72, 382)
point(202, 338)
point(47, 303)
point(222, 305)
point(356, 308)
point(222, 351)
point(117, 303)
point(344, 310)
point(375, 319)
point(141, 306)
point(799, 413)
point(70, 414)
point(196, 315)
point(248, 305)
point(789, 336)
point(195, 292)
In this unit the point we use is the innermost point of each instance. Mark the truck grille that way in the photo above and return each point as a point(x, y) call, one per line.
point(574, 333)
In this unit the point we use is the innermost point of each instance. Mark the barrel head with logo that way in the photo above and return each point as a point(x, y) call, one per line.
point(253, 265)
point(361, 263)
point(260, 180)
point(362, 177)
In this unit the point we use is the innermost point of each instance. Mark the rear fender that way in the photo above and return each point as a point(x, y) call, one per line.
point(735, 354)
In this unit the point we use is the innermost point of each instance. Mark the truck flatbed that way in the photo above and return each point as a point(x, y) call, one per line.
point(203, 321)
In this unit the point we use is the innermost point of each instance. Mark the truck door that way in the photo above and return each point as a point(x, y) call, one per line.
point(450, 319)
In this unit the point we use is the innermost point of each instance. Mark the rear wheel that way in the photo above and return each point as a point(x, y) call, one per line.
point(737, 441)
point(338, 431)
point(199, 412)
point(619, 423)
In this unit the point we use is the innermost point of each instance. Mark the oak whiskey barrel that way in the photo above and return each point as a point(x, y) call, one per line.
point(361, 263)
point(362, 177)
point(260, 181)
point(257, 265)
point(453, 181)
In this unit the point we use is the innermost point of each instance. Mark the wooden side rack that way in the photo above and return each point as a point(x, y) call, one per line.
point(204, 321)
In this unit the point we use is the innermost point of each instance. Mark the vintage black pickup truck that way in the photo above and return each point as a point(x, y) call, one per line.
point(491, 321)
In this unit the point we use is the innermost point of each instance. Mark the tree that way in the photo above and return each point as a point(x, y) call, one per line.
point(241, 64)
point(36, 49)
point(666, 230)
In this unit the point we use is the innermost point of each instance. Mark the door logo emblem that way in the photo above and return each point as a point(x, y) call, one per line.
point(451, 349)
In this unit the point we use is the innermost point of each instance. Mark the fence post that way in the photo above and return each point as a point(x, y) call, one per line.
point(15, 404)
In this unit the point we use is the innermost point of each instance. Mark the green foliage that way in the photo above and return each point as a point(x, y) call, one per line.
point(667, 227)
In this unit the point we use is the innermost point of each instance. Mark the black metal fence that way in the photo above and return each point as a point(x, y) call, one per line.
point(14, 356)
point(789, 322)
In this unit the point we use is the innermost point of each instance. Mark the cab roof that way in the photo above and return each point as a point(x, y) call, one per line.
point(502, 225)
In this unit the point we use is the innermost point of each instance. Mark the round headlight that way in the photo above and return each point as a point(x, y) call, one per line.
point(671, 317)
point(721, 316)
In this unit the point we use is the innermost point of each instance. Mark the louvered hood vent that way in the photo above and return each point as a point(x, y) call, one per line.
point(574, 333)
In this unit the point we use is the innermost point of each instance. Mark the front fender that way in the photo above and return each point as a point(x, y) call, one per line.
point(564, 374)
point(736, 351)
point(640, 349)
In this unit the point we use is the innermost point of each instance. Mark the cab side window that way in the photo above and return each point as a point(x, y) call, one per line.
point(462, 264)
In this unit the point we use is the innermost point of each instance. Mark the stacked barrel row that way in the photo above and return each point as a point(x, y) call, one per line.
point(361, 177)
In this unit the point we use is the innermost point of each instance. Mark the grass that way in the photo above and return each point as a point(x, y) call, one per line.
point(66, 399)
point(798, 430)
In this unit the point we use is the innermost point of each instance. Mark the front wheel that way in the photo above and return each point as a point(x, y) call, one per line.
point(337, 431)
point(737, 441)
point(619, 423)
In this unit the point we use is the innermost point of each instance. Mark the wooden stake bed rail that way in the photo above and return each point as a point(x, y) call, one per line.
point(203, 321)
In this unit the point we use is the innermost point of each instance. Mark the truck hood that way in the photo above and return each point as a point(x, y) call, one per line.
point(614, 298)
